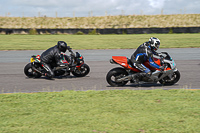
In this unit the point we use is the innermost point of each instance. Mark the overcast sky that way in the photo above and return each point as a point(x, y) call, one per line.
point(84, 8)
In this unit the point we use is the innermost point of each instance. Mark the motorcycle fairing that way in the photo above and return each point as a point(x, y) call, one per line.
point(147, 64)
point(158, 75)
point(171, 63)
point(123, 61)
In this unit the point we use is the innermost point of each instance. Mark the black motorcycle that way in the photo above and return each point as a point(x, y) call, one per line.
point(74, 64)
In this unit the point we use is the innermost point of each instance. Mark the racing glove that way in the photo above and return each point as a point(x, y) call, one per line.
point(69, 49)
point(160, 55)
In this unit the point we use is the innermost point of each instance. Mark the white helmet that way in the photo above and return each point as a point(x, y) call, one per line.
point(154, 43)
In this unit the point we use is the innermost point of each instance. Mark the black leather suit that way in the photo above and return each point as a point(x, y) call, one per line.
point(49, 58)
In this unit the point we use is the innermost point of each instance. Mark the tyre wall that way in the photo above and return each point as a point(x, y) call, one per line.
point(105, 31)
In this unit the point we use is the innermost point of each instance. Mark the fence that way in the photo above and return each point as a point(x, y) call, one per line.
point(105, 31)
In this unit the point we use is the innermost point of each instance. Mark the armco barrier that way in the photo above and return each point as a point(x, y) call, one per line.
point(106, 30)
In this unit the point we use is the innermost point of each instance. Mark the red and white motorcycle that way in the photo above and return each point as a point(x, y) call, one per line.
point(120, 76)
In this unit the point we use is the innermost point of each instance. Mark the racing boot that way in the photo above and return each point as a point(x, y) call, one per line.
point(48, 75)
point(141, 76)
point(67, 73)
point(135, 78)
point(145, 76)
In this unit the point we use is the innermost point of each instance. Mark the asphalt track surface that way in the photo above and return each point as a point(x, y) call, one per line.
point(13, 80)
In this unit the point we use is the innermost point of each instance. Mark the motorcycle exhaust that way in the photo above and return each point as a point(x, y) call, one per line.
point(61, 67)
point(126, 78)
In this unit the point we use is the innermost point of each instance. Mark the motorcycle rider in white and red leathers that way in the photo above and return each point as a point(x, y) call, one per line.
point(145, 52)
point(52, 56)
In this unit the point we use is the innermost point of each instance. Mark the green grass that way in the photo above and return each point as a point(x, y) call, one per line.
point(114, 111)
point(41, 42)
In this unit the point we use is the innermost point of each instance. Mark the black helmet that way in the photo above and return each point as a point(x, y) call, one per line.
point(62, 46)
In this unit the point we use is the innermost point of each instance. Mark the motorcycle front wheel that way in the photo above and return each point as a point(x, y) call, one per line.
point(171, 81)
point(114, 74)
point(81, 71)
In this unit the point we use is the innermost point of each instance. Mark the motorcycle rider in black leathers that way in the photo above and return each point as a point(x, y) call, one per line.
point(145, 52)
point(52, 57)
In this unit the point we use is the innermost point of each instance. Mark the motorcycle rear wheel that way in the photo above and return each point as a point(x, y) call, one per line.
point(175, 78)
point(115, 74)
point(82, 71)
point(29, 72)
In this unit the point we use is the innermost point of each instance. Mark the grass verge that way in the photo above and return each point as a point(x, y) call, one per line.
point(101, 111)
point(41, 42)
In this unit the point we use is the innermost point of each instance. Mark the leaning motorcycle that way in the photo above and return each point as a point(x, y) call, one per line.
point(74, 64)
point(120, 76)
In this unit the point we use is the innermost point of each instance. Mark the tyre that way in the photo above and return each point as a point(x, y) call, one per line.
point(29, 72)
point(81, 71)
point(174, 79)
point(114, 74)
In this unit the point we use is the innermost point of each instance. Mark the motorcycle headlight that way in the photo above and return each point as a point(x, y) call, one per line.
point(79, 61)
point(173, 64)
